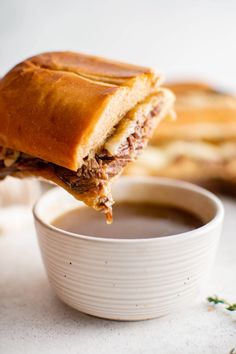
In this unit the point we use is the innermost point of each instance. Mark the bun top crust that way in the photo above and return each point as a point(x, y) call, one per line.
point(59, 106)
point(91, 67)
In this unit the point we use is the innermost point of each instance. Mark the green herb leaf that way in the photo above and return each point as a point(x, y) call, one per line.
point(216, 300)
point(231, 307)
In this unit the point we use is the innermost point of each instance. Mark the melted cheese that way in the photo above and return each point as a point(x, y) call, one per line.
point(123, 131)
point(127, 125)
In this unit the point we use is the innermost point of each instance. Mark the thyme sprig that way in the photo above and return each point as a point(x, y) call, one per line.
point(227, 305)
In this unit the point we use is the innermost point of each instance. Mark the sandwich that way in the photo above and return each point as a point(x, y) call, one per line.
point(77, 121)
point(200, 145)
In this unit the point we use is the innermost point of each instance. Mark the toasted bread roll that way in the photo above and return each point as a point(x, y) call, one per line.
point(200, 145)
point(77, 120)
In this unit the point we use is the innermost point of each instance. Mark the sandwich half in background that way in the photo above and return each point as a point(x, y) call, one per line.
point(200, 145)
point(77, 120)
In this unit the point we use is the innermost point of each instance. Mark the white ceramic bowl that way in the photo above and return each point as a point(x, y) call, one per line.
point(130, 279)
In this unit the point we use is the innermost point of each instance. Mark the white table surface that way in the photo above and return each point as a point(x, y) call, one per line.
point(34, 321)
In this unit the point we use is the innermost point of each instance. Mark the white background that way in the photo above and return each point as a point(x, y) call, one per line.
point(190, 39)
point(195, 39)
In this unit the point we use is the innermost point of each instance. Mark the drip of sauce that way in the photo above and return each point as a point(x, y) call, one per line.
point(131, 220)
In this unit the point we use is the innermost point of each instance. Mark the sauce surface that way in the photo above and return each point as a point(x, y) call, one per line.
point(130, 220)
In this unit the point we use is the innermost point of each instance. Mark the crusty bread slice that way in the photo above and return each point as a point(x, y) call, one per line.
point(61, 106)
point(154, 107)
point(202, 113)
point(200, 146)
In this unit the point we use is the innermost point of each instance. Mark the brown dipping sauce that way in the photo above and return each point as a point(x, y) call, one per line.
point(130, 220)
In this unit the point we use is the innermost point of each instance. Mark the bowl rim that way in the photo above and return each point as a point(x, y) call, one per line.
point(162, 181)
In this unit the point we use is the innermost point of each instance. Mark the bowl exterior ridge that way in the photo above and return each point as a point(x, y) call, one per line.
point(126, 281)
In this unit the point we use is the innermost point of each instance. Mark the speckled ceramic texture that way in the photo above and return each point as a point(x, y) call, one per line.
point(130, 279)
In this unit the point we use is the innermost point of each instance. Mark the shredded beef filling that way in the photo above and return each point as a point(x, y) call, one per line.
point(100, 169)
point(96, 172)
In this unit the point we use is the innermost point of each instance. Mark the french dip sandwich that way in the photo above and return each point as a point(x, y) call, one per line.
point(200, 145)
point(77, 120)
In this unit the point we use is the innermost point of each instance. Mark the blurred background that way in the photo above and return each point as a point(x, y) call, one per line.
point(183, 39)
